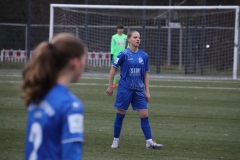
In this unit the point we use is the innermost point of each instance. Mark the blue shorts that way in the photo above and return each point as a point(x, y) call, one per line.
point(125, 97)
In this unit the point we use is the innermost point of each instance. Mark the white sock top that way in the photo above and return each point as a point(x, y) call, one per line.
point(149, 140)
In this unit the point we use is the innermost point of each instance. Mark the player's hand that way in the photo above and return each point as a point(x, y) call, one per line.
point(148, 97)
point(109, 91)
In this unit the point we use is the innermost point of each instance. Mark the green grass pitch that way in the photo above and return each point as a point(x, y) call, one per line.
point(194, 119)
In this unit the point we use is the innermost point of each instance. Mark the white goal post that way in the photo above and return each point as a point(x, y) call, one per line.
point(180, 40)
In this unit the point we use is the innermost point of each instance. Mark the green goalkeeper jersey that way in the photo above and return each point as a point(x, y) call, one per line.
point(117, 44)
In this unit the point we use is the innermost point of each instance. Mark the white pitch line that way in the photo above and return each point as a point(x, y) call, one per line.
point(154, 79)
point(173, 80)
point(11, 75)
point(156, 86)
point(152, 86)
point(10, 81)
point(192, 87)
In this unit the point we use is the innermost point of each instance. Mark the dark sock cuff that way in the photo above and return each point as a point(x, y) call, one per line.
point(145, 121)
point(120, 115)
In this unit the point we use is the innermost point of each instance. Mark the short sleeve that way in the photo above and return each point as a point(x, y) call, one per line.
point(119, 60)
point(73, 122)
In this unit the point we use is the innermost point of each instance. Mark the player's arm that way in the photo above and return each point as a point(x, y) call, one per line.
point(72, 130)
point(112, 73)
point(117, 63)
point(146, 79)
point(146, 82)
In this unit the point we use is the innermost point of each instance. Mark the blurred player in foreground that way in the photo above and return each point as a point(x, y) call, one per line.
point(117, 45)
point(55, 124)
point(134, 80)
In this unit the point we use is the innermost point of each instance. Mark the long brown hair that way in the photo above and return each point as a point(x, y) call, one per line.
point(129, 36)
point(49, 58)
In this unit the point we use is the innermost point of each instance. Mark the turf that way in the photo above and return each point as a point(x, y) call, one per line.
point(194, 119)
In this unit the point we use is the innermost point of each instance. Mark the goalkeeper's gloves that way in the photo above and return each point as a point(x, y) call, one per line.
point(112, 58)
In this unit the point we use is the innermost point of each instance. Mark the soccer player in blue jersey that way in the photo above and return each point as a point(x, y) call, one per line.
point(134, 80)
point(55, 128)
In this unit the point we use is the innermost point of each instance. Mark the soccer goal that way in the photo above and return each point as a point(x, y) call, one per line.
point(193, 41)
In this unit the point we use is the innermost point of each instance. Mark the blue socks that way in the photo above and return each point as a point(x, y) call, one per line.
point(144, 125)
point(146, 128)
point(118, 124)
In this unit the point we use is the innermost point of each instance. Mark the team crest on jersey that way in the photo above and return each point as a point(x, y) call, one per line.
point(140, 60)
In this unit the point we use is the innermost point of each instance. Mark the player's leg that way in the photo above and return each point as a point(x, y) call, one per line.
point(146, 128)
point(145, 125)
point(122, 102)
point(118, 127)
point(139, 103)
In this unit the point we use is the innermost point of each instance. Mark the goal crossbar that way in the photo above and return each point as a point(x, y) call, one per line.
point(141, 7)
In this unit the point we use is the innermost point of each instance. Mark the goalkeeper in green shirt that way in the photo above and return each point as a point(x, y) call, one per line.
point(117, 45)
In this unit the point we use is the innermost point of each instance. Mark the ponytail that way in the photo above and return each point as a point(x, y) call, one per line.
point(41, 72)
point(39, 75)
point(126, 44)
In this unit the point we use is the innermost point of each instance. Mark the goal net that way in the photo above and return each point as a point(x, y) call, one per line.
point(180, 40)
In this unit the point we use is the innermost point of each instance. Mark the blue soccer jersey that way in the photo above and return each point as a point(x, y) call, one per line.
point(54, 124)
point(133, 67)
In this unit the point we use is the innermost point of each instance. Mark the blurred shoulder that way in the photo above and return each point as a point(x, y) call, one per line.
point(143, 52)
point(125, 51)
point(73, 105)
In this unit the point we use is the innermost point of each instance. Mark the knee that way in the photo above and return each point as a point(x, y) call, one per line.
point(143, 114)
point(121, 111)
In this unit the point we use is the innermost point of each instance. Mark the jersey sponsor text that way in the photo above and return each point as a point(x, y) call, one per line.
point(134, 71)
